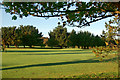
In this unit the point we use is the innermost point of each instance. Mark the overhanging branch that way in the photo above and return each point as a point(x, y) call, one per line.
point(103, 17)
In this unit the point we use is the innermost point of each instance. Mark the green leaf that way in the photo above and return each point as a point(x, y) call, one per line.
point(25, 14)
point(7, 10)
point(14, 17)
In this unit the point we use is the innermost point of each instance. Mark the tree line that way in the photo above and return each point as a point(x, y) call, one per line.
point(60, 37)
point(21, 36)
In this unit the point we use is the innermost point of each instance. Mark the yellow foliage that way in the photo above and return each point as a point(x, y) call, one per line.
point(78, 12)
point(61, 15)
point(106, 43)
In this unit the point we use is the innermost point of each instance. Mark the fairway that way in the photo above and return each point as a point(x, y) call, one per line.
point(54, 63)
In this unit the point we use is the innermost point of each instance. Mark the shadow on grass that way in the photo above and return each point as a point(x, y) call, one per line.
point(42, 50)
point(28, 51)
point(57, 53)
point(58, 63)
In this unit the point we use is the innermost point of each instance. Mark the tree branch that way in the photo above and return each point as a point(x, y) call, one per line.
point(103, 17)
point(73, 10)
point(47, 16)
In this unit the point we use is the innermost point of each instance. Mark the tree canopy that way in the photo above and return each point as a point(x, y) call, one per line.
point(21, 36)
point(59, 37)
point(109, 36)
point(84, 39)
point(72, 13)
point(60, 34)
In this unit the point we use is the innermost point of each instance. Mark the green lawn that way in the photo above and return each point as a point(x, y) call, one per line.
point(55, 63)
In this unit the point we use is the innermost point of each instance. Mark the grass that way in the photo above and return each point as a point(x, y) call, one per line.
point(55, 63)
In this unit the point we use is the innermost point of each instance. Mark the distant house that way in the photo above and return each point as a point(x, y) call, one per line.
point(45, 39)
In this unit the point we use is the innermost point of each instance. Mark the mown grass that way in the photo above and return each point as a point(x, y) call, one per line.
point(56, 63)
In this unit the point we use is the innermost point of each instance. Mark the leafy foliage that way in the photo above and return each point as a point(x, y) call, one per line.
point(23, 35)
point(8, 35)
point(70, 12)
point(52, 42)
point(110, 39)
point(30, 36)
point(85, 39)
point(72, 39)
point(60, 34)
point(60, 37)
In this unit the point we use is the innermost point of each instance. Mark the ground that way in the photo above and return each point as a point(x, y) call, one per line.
point(55, 63)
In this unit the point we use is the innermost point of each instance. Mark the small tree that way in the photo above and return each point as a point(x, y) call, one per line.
point(109, 37)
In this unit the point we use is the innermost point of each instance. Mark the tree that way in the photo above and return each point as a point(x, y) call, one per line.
point(18, 36)
point(23, 35)
point(98, 41)
point(30, 36)
point(84, 39)
point(72, 39)
point(83, 13)
point(60, 34)
point(4, 39)
point(110, 39)
point(52, 42)
point(8, 36)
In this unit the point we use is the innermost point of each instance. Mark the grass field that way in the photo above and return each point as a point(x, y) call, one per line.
point(55, 63)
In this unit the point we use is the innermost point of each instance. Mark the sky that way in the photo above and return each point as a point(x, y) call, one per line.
point(48, 25)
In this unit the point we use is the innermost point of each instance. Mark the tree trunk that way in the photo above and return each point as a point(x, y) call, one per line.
point(73, 46)
point(87, 47)
point(82, 47)
point(3, 49)
point(15, 45)
point(61, 47)
point(65, 46)
point(78, 46)
point(30, 46)
point(8, 46)
point(24, 46)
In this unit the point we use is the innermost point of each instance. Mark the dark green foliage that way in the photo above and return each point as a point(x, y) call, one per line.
point(52, 42)
point(30, 36)
point(99, 41)
point(42, 45)
point(60, 37)
point(84, 39)
point(8, 35)
point(14, 17)
point(83, 13)
point(72, 39)
point(60, 34)
point(111, 41)
point(21, 36)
